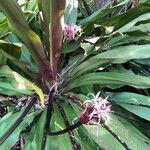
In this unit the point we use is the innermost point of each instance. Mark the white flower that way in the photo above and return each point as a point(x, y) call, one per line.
point(98, 108)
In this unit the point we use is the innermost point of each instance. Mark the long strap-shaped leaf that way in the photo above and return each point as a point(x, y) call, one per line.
point(117, 55)
point(19, 25)
point(51, 14)
point(110, 79)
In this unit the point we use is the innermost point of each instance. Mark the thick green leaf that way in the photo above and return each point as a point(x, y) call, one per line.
point(52, 141)
point(128, 39)
point(70, 46)
point(135, 31)
point(14, 84)
point(4, 29)
point(63, 140)
point(131, 137)
point(10, 48)
point(11, 89)
point(99, 15)
point(21, 64)
point(12, 52)
point(125, 53)
point(71, 10)
point(141, 111)
point(130, 98)
point(7, 121)
point(131, 25)
point(103, 138)
point(110, 78)
point(124, 18)
point(34, 138)
point(135, 103)
point(116, 55)
point(25, 55)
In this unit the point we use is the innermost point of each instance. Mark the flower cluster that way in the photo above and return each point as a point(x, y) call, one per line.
point(97, 108)
point(69, 32)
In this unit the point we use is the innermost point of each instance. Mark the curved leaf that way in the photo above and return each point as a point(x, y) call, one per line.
point(71, 10)
point(128, 134)
point(70, 46)
point(131, 25)
point(135, 103)
point(7, 122)
point(103, 138)
point(63, 140)
point(11, 83)
point(34, 138)
point(110, 78)
point(116, 56)
point(4, 29)
point(100, 14)
point(124, 18)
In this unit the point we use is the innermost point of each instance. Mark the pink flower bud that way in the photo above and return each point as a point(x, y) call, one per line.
point(69, 32)
point(85, 118)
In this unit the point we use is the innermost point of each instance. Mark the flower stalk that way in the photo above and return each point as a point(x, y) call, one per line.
point(96, 108)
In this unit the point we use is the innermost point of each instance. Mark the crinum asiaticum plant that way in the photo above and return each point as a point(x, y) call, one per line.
point(68, 75)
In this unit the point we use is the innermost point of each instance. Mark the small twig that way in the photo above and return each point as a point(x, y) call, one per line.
point(18, 121)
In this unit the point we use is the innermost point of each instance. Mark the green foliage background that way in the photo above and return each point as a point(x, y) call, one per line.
point(111, 54)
